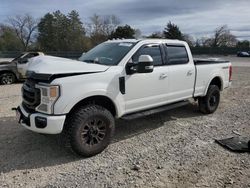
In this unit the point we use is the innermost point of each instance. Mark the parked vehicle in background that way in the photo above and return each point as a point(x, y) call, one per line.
point(15, 70)
point(243, 54)
point(116, 79)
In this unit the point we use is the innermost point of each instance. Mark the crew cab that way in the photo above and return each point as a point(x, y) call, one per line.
point(16, 69)
point(116, 79)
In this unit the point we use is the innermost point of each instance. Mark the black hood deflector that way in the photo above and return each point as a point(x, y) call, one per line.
point(47, 78)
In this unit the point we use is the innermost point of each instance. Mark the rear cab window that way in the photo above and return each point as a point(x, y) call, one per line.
point(176, 54)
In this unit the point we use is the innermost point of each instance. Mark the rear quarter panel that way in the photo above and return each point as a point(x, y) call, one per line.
point(207, 72)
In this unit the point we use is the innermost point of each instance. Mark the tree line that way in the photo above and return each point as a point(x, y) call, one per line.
point(59, 32)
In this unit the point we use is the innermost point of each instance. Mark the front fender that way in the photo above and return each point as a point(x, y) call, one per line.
point(92, 94)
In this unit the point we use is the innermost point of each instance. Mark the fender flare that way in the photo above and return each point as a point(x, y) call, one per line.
point(213, 77)
point(102, 93)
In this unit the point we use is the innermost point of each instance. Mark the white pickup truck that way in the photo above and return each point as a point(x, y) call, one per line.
point(116, 79)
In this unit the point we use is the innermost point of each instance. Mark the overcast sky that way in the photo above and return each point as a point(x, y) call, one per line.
point(195, 17)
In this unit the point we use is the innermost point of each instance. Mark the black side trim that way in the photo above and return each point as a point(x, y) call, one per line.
point(50, 77)
point(122, 85)
point(205, 62)
point(154, 110)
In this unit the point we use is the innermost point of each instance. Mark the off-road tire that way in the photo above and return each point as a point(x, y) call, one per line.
point(80, 139)
point(209, 103)
point(7, 78)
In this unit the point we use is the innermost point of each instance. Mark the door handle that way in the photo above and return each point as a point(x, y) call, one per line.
point(189, 73)
point(163, 76)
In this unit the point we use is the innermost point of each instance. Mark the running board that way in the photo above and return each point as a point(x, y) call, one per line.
point(154, 110)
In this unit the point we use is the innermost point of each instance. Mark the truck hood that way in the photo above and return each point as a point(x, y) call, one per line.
point(48, 68)
point(56, 65)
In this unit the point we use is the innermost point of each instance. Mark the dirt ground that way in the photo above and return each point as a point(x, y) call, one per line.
point(171, 149)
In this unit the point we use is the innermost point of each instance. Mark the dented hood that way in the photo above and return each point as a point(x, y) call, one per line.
point(56, 65)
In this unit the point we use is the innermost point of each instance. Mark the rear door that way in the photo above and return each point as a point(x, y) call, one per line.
point(181, 73)
point(146, 90)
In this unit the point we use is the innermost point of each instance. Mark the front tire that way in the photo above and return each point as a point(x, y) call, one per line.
point(90, 129)
point(7, 78)
point(209, 103)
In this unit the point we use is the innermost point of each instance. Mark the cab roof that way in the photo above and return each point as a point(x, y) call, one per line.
point(168, 41)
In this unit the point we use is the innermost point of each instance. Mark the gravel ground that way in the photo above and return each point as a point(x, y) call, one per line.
point(171, 149)
point(10, 96)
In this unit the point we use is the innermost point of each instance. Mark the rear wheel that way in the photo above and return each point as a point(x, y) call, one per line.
point(7, 78)
point(89, 130)
point(210, 102)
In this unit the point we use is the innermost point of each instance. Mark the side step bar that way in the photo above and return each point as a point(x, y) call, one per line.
point(154, 110)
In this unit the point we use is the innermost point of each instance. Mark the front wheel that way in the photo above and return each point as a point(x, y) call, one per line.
point(209, 103)
point(90, 129)
point(7, 78)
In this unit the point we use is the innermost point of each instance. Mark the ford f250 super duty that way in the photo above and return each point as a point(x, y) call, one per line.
point(116, 79)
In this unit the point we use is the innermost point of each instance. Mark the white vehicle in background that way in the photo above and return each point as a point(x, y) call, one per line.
point(116, 79)
point(15, 70)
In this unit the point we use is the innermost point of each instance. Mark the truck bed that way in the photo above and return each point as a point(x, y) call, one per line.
point(207, 69)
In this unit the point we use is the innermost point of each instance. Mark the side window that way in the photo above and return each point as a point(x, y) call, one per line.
point(30, 55)
point(177, 55)
point(25, 58)
point(152, 50)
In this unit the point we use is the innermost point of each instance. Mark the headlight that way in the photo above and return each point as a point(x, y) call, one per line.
point(49, 95)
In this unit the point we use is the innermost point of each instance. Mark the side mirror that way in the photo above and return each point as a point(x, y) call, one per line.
point(145, 64)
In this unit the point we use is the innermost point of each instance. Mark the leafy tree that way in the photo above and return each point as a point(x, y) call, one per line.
point(58, 32)
point(24, 27)
point(47, 33)
point(123, 32)
point(172, 31)
point(8, 39)
point(62, 30)
point(76, 32)
point(243, 45)
point(156, 35)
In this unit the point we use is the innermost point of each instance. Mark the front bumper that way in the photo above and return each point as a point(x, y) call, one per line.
point(41, 123)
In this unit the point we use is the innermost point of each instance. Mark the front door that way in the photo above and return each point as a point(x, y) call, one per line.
point(146, 90)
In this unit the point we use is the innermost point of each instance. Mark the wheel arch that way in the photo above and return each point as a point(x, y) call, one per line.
point(100, 100)
point(216, 80)
point(9, 71)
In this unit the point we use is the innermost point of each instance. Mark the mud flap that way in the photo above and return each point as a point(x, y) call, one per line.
point(235, 144)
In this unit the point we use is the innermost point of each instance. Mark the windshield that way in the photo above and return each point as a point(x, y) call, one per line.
point(107, 53)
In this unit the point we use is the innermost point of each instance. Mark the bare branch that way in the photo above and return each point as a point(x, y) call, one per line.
point(24, 27)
